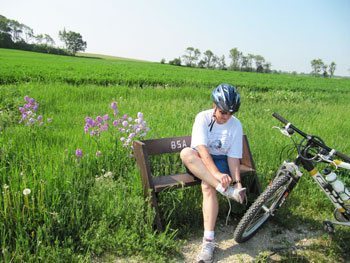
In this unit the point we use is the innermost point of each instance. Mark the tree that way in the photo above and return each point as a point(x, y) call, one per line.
point(5, 33)
point(215, 61)
point(73, 41)
point(191, 56)
point(316, 65)
point(259, 61)
point(48, 40)
point(16, 30)
point(250, 58)
point(324, 68)
point(244, 63)
point(39, 38)
point(175, 61)
point(4, 27)
point(267, 67)
point(28, 33)
point(236, 57)
point(201, 64)
point(221, 63)
point(208, 58)
point(188, 57)
point(197, 54)
point(332, 67)
point(5, 40)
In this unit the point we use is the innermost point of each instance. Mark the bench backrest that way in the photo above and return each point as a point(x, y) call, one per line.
point(166, 145)
point(176, 144)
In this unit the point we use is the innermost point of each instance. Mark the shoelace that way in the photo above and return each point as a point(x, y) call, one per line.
point(209, 247)
point(229, 210)
point(229, 203)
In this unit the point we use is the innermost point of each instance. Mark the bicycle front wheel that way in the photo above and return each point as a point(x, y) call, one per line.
point(263, 208)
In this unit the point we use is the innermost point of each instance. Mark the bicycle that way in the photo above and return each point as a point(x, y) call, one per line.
point(311, 152)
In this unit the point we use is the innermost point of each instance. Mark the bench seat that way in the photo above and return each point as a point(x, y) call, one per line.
point(173, 181)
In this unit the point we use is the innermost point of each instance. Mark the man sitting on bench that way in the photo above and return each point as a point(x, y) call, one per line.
point(216, 147)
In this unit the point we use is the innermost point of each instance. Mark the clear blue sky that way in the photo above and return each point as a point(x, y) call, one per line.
point(288, 33)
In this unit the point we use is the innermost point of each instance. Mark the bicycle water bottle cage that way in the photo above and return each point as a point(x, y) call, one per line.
point(285, 130)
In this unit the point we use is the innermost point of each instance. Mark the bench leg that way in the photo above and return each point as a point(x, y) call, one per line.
point(154, 202)
point(255, 185)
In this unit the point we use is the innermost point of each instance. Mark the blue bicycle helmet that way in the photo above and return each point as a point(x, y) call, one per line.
point(226, 98)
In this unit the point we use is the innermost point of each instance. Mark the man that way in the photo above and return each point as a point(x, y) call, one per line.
point(214, 155)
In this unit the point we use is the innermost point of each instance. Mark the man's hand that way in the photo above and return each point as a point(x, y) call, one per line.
point(224, 179)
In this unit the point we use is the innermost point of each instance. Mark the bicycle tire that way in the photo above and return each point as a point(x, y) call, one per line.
point(250, 223)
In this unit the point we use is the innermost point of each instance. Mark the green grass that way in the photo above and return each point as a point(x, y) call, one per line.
point(105, 72)
point(74, 213)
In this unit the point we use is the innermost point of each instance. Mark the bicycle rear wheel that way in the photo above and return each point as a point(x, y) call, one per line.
point(263, 208)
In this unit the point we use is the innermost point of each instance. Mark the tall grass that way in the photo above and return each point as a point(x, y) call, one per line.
point(79, 208)
point(85, 71)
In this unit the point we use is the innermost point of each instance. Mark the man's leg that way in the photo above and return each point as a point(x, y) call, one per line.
point(210, 206)
point(210, 212)
point(194, 163)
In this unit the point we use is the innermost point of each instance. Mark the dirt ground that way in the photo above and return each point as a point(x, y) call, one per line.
point(300, 244)
point(268, 240)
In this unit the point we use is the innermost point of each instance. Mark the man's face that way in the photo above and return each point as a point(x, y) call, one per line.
point(222, 116)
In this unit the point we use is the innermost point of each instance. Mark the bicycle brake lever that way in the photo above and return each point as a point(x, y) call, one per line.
point(327, 157)
point(283, 130)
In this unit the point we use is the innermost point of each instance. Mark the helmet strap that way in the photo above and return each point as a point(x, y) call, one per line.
point(213, 119)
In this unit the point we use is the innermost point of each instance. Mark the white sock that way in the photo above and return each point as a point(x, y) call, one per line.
point(220, 188)
point(209, 235)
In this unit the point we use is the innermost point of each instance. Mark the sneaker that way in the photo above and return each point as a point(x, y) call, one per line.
point(239, 195)
point(207, 252)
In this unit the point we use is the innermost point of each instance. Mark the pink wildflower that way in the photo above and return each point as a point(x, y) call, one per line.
point(79, 153)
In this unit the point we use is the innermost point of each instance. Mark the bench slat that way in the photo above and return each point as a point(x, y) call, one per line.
point(175, 180)
point(167, 145)
point(184, 179)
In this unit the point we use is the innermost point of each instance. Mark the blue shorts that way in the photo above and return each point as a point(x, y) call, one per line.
point(220, 162)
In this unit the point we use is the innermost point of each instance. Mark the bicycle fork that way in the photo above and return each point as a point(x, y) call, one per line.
point(294, 173)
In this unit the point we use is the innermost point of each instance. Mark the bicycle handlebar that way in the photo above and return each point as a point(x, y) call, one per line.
point(280, 118)
point(309, 137)
point(343, 156)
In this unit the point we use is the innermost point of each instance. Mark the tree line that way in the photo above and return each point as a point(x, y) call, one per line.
point(238, 61)
point(16, 35)
point(319, 68)
point(242, 62)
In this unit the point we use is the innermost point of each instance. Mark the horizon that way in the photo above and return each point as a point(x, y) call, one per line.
point(288, 35)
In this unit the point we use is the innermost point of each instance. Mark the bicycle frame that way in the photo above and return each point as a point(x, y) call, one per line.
point(311, 151)
point(309, 166)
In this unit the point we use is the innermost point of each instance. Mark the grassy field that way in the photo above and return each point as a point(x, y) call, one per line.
point(82, 207)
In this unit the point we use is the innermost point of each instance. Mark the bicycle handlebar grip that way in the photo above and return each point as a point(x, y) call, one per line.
point(343, 156)
point(279, 117)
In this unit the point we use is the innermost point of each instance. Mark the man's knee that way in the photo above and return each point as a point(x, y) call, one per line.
point(188, 155)
point(208, 189)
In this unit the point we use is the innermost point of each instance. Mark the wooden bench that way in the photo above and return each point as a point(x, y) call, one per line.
point(152, 185)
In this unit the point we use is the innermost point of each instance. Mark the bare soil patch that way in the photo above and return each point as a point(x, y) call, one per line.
point(267, 243)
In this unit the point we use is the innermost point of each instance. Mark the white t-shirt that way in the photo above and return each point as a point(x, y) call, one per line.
point(223, 139)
